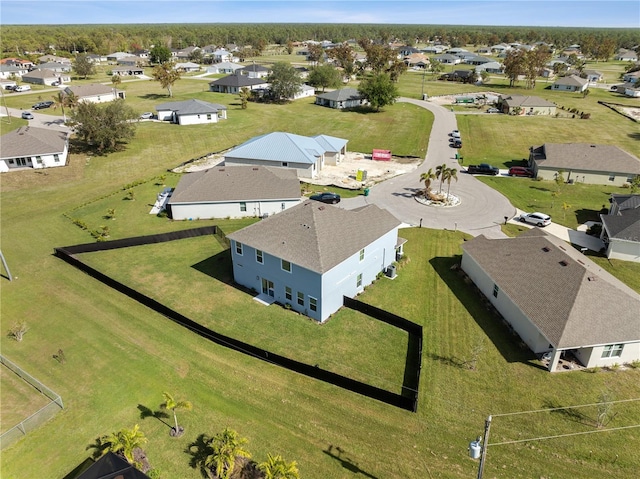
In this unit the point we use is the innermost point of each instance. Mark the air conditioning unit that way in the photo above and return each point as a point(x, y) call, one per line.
point(391, 271)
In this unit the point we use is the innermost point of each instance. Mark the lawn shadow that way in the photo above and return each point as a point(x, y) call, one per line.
point(584, 215)
point(217, 267)
point(540, 188)
point(569, 413)
point(337, 454)
point(523, 162)
point(497, 330)
point(153, 96)
point(145, 412)
point(448, 360)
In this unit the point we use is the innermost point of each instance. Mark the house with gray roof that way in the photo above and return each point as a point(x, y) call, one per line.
point(255, 71)
point(234, 192)
point(621, 228)
point(8, 71)
point(54, 58)
point(448, 59)
point(572, 83)
point(94, 92)
point(224, 67)
point(490, 67)
point(36, 148)
point(312, 255)
point(234, 83)
point(340, 99)
point(56, 67)
point(124, 71)
point(584, 163)
point(187, 67)
point(191, 112)
point(306, 155)
point(525, 105)
point(625, 55)
point(559, 303)
point(45, 77)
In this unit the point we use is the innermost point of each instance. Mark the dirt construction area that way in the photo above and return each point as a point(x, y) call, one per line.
point(343, 175)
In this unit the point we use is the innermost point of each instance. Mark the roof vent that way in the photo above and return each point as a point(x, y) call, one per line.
point(255, 169)
point(221, 169)
point(592, 278)
point(593, 146)
point(321, 208)
point(546, 249)
point(564, 263)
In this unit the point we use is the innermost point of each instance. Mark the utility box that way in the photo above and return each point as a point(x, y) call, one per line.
point(391, 271)
point(475, 449)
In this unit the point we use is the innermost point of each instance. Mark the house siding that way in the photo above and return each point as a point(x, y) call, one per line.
point(304, 170)
point(187, 211)
point(624, 250)
point(582, 176)
point(35, 162)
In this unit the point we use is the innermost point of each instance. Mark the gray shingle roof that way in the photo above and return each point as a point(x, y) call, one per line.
point(279, 146)
point(45, 73)
point(526, 101)
point(574, 305)
point(586, 156)
point(190, 107)
point(626, 224)
point(92, 89)
point(344, 94)
point(316, 236)
point(237, 183)
point(29, 141)
point(238, 81)
point(571, 80)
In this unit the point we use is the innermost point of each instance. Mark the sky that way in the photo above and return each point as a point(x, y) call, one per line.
point(543, 13)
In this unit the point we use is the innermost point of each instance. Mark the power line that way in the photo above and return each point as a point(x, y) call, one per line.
point(562, 435)
point(564, 407)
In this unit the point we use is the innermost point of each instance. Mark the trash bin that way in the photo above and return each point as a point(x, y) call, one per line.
point(366, 192)
point(425, 96)
point(457, 156)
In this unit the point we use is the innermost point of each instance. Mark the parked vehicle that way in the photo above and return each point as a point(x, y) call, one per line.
point(456, 143)
point(483, 169)
point(520, 171)
point(147, 115)
point(327, 197)
point(455, 134)
point(10, 87)
point(22, 88)
point(27, 115)
point(41, 105)
point(537, 218)
point(493, 110)
point(56, 83)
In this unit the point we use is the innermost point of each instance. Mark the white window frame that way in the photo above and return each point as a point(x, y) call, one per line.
point(300, 297)
point(243, 206)
point(359, 281)
point(259, 256)
point(288, 293)
point(238, 248)
point(612, 351)
point(282, 264)
point(313, 303)
point(362, 255)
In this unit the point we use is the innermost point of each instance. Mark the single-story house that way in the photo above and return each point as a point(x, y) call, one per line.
point(307, 155)
point(184, 53)
point(625, 55)
point(556, 299)
point(224, 67)
point(478, 60)
point(464, 76)
point(144, 53)
point(45, 77)
point(417, 60)
point(191, 112)
point(526, 105)
point(36, 148)
point(621, 228)
point(631, 77)
point(632, 90)
point(114, 57)
point(434, 49)
point(593, 76)
point(234, 192)
point(466, 56)
point(407, 50)
point(571, 83)
point(448, 59)
point(483, 50)
point(491, 67)
point(305, 91)
point(234, 83)
point(8, 71)
point(310, 256)
point(95, 58)
point(255, 71)
point(54, 58)
point(131, 61)
point(56, 67)
point(127, 71)
point(94, 92)
point(584, 163)
point(342, 98)
point(187, 67)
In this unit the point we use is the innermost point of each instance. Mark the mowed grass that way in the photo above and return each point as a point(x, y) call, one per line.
point(120, 355)
point(19, 399)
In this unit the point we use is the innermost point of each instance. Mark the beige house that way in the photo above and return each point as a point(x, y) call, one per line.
point(95, 92)
point(561, 304)
point(584, 163)
point(525, 105)
point(572, 83)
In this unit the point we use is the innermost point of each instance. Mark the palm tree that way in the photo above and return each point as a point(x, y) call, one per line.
point(427, 177)
point(115, 81)
point(275, 467)
point(62, 99)
point(124, 442)
point(451, 173)
point(440, 172)
point(172, 405)
point(225, 447)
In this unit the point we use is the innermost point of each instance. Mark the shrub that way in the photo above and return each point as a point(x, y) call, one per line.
point(18, 331)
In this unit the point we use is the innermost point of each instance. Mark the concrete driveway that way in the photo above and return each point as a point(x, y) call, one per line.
point(40, 120)
point(482, 209)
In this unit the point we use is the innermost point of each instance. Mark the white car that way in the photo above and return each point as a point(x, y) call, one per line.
point(538, 219)
point(455, 134)
point(147, 115)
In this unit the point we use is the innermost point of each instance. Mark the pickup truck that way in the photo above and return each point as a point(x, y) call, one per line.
point(483, 169)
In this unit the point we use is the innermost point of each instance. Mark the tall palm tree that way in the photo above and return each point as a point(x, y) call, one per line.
point(172, 405)
point(451, 174)
point(124, 442)
point(427, 177)
point(115, 81)
point(440, 171)
point(275, 467)
point(62, 99)
point(225, 447)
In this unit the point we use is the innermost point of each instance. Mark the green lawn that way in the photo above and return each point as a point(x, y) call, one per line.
point(121, 356)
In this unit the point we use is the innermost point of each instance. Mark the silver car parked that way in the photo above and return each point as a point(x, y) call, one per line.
point(538, 219)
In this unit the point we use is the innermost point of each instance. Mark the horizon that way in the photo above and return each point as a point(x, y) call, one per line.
point(617, 14)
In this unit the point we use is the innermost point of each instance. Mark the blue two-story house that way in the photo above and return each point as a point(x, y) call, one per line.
point(311, 255)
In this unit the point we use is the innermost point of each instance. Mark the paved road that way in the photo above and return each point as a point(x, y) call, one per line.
point(40, 120)
point(482, 209)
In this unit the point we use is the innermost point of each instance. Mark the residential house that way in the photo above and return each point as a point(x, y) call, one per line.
point(224, 67)
point(187, 67)
point(448, 59)
point(417, 60)
point(234, 192)
point(483, 51)
point(464, 76)
point(632, 90)
point(621, 228)
point(132, 61)
point(307, 155)
point(234, 83)
point(305, 91)
point(457, 50)
point(54, 58)
point(110, 466)
point(571, 83)
point(500, 48)
point(478, 60)
point(124, 71)
point(191, 112)
point(340, 99)
point(45, 77)
point(17, 62)
point(584, 163)
point(36, 148)
point(312, 255)
point(593, 76)
point(56, 67)
point(526, 105)
point(114, 57)
point(434, 49)
point(184, 53)
point(144, 54)
point(466, 56)
point(221, 55)
point(407, 50)
point(491, 67)
point(255, 71)
point(559, 302)
point(94, 92)
point(631, 77)
point(12, 71)
point(96, 59)
point(624, 55)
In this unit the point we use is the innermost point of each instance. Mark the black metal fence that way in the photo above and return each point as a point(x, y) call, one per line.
point(404, 401)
